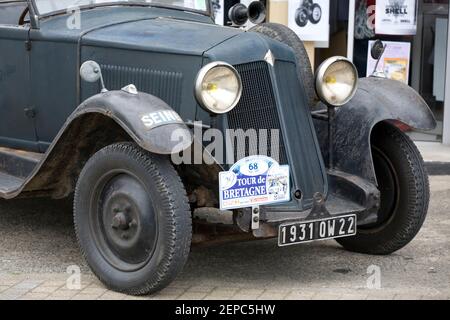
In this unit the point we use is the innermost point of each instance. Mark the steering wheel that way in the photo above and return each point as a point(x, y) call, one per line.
point(23, 15)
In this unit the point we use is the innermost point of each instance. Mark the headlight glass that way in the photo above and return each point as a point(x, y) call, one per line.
point(218, 87)
point(336, 81)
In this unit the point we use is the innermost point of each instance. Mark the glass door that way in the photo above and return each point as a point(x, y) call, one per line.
point(429, 61)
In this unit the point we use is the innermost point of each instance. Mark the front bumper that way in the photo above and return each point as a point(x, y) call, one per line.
point(347, 195)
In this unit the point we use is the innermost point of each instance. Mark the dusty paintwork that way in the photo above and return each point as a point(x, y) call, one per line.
point(376, 100)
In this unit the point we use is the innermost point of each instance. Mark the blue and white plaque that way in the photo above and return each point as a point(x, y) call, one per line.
point(254, 181)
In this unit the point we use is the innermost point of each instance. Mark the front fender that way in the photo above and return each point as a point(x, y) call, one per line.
point(148, 120)
point(101, 120)
point(376, 100)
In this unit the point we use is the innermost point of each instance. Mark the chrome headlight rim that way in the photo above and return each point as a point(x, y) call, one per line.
point(199, 81)
point(321, 73)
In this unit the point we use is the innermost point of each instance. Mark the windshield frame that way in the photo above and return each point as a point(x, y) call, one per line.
point(37, 15)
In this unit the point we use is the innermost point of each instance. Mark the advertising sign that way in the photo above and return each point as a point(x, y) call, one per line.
point(254, 181)
point(364, 19)
point(396, 17)
point(394, 63)
point(218, 7)
point(310, 19)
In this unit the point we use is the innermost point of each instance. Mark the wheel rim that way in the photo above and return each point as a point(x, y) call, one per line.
point(317, 13)
point(389, 186)
point(303, 16)
point(123, 221)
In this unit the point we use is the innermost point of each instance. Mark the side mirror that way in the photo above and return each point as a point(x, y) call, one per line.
point(377, 50)
point(90, 71)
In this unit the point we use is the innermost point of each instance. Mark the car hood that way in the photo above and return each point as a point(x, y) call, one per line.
point(161, 34)
point(249, 47)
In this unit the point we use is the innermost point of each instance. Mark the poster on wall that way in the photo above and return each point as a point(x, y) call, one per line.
point(310, 19)
point(396, 17)
point(394, 63)
point(218, 7)
point(364, 19)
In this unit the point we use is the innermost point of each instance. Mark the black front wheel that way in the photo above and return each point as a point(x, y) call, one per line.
point(132, 219)
point(404, 194)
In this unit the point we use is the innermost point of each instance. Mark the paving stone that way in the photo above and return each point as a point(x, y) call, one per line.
point(163, 297)
point(12, 294)
point(110, 295)
point(326, 296)
point(171, 292)
point(63, 294)
point(204, 289)
point(299, 296)
point(54, 283)
point(3, 288)
point(8, 282)
point(273, 295)
point(34, 296)
point(137, 298)
point(93, 291)
point(27, 285)
point(221, 294)
point(192, 295)
point(81, 296)
point(44, 289)
point(180, 284)
point(251, 294)
point(381, 296)
point(353, 296)
point(408, 296)
point(436, 297)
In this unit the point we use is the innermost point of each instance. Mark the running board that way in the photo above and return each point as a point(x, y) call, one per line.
point(15, 166)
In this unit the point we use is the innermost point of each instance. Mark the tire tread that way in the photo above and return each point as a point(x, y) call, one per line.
point(175, 203)
point(418, 201)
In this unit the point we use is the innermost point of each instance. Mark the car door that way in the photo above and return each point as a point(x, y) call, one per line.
point(17, 128)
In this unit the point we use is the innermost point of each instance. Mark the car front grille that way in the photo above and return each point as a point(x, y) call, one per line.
point(257, 110)
point(277, 101)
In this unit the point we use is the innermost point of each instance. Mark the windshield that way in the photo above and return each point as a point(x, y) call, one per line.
point(45, 7)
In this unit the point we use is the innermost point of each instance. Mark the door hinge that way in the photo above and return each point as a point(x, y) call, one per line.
point(28, 45)
point(30, 112)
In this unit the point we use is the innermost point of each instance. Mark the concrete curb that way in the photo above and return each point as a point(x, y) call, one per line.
point(436, 168)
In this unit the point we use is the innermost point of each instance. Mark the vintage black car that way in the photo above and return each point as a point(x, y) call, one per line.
point(92, 94)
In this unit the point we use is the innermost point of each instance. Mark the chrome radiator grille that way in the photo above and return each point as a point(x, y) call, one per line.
point(257, 110)
point(277, 101)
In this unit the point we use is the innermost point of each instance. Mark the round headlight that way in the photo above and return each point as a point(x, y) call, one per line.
point(336, 81)
point(218, 87)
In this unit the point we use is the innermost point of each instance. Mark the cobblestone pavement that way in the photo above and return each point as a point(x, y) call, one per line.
point(38, 245)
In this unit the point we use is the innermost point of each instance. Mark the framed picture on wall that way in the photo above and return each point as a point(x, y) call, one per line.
point(394, 63)
point(310, 19)
point(396, 17)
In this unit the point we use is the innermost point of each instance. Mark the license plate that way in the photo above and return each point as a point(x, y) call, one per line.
point(321, 229)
